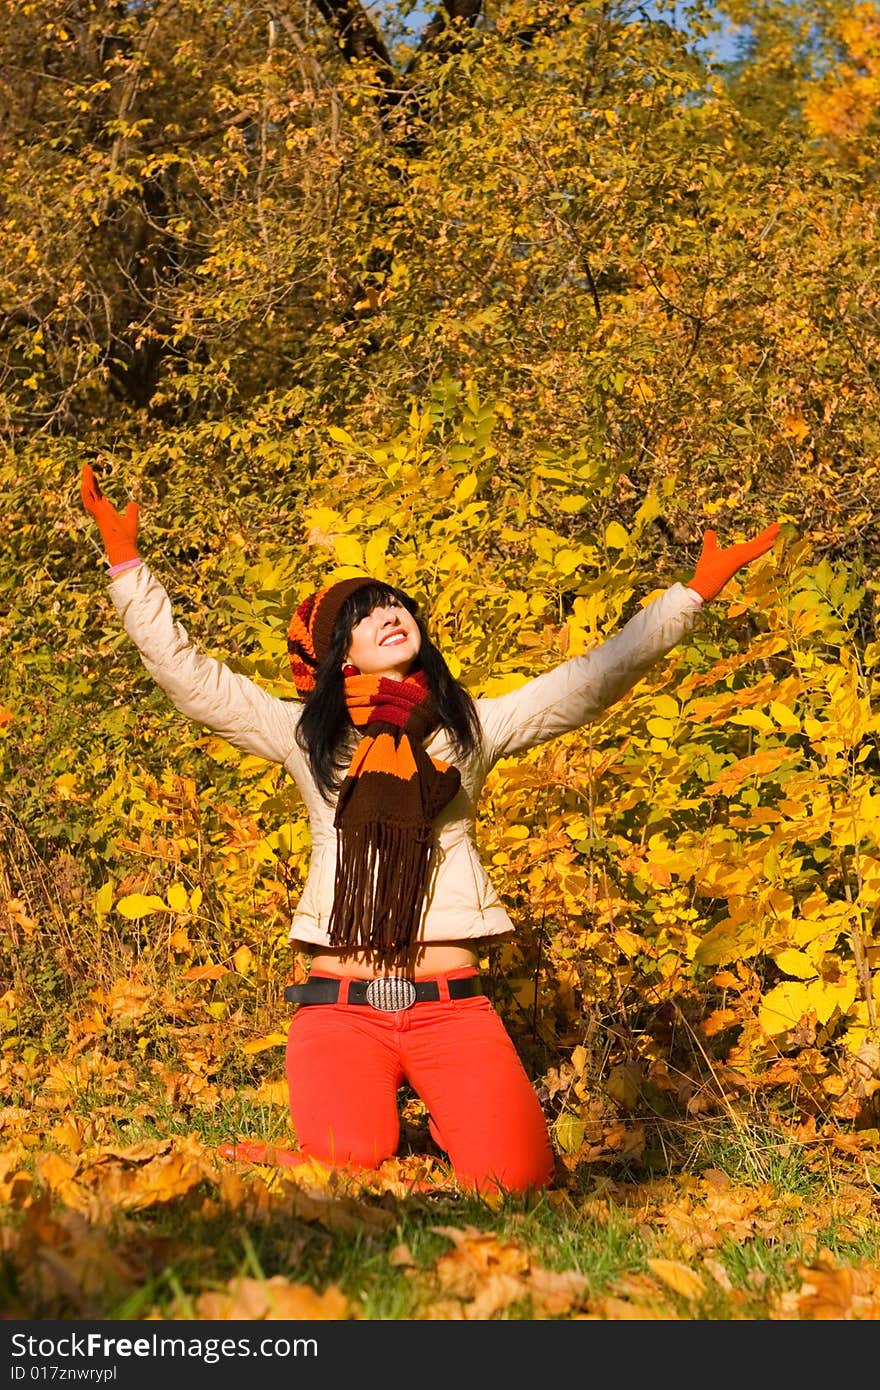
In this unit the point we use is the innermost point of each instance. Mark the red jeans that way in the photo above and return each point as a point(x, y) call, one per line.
point(345, 1063)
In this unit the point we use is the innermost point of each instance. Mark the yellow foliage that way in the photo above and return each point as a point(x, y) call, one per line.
point(137, 905)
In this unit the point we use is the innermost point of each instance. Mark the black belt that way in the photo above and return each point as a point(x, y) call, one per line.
point(387, 992)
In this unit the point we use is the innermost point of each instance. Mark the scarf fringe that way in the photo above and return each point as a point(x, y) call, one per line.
point(382, 874)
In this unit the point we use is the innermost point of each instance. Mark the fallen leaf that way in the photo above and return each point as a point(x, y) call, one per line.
point(492, 1294)
point(274, 1299)
point(678, 1277)
point(826, 1294)
point(206, 972)
point(557, 1292)
point(15, 1187)
point(272, 1093)
point(128, 1001)
point(260, 1044)
point(716, 1269)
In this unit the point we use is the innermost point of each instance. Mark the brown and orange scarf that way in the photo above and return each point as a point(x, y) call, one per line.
point(391, 794)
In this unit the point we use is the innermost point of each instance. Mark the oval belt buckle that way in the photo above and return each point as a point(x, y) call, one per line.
point(390, 993)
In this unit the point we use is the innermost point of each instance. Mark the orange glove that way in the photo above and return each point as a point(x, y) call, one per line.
point(715, 566)
point(118, 532)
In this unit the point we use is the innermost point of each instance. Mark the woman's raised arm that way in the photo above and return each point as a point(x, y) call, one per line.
point(199, 686)
point(577, 691)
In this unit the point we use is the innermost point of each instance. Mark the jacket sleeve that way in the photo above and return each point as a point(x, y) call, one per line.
point(199, 686)
point(577, 691)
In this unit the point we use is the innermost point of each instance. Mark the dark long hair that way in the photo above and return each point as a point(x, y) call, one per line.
point(325, 725)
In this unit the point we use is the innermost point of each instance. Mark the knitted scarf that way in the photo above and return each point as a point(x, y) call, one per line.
point(391, 793)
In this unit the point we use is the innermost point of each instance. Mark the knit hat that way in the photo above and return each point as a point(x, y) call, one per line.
point(311, 629)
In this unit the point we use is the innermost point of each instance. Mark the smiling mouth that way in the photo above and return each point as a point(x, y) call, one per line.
point(393, 637)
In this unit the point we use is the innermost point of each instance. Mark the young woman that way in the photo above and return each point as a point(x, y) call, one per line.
point(390, 754)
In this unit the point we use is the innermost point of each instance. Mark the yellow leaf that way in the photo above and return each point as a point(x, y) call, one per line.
point(666, 707)
point(629, 943)
point(104, 899)
point(755, 765)
point(616, 537)
point(649, 509)
point(717, 1021)
point(753, 719)
point(260, 1044)
point(275, 1299)
point(177, 898)
point(375, 551)
point(566, 561)
point(782, 1008)
point(272, 1093)
point(661, 728)
point(322, 519)
point(733, 938)
point(349, 551)
point(785, 718)
point(135, 905)
point(243, 959)
point(128, 1001)
point(834, 994)
point(15, 1187)
point(678, 1277)
point(466, 488)
point(796, 427)
point(68, 1135)
point(339, 436)
point(569, 1132)
point(796, 963)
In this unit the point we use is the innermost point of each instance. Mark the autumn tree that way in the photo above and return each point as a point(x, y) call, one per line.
point(570, 203)
point(173, 174)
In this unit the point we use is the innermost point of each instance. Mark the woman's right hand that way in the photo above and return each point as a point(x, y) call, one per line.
point(118, 530)
point(715, 566)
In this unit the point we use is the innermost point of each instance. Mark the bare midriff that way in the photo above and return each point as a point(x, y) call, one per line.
point(425, 960)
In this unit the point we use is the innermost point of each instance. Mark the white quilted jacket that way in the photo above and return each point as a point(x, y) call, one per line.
point(461, 903)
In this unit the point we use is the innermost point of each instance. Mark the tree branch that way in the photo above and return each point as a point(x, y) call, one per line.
point(443, 32)
point(358, 36)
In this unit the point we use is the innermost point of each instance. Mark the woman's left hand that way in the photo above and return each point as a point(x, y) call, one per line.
point(715, 566)
point(118, 529)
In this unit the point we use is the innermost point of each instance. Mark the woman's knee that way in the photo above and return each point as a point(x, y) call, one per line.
point(512, 1171)
point(514, 1157)
point(352, 1148)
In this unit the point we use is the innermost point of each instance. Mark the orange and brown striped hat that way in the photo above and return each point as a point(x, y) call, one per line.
point(311, 629)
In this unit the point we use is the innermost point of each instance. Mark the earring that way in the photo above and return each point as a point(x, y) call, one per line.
point(349, 670)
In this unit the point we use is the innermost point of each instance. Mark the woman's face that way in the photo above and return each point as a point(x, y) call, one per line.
point(386, 642)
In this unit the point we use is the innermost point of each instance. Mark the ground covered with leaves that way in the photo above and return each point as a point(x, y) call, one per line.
point(115, 1204)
